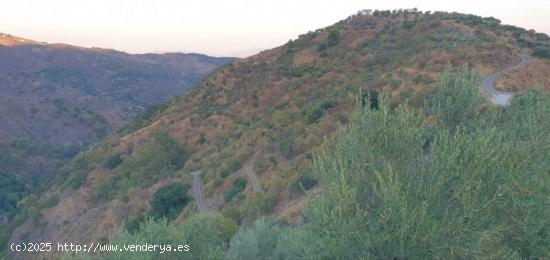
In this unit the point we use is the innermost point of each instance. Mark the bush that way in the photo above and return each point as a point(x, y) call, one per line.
point(202, 235)
point(258, 204)
point(169, 200)
point(371, 99)
point(113, 161)
point(458, 96)
point(132, 223)
point(408, 24)
point(542, 52)
point(227, 226)
point(232, 166)
point(78, 169)
point(304, 182)
point(13, 189)
point(238, 186)
point(314, 115)
point(51, 202)
point(333, 38)
point(257, 242)
point(286, 146)
point(383, 197)
point(202, 139)
point(161, 158)
point(322, 47)
point(105, 190)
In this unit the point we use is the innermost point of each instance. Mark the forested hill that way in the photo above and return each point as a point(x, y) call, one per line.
point(56, 99)
point(266, 115)
point(60, 98)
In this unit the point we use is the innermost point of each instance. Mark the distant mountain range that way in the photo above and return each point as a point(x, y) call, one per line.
point(62, 97)
point(66, 95)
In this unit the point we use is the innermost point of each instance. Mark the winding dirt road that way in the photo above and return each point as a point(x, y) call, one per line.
point(502, 98)
point(199, 197)
point(249, 171)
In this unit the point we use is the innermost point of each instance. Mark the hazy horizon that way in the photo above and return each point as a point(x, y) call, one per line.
point(218, 28)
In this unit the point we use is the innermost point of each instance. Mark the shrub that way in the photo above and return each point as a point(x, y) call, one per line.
point(286, 146)
point(257, 242)
point(322, 47)
point(408, 24)
point(201, 234)
point(169, 200)
point(370, 99)
point(314, 115)
point(227, 226)
point(238, 186)
point(13, 189)
point(132, 223)
point(162, 157)
point(328, 104)
point(105, 190)
point(458, 96)
point(422, 64)
point(542, 52)
point(51, 202)
point(202, 139)
point(333, 38)
point(258, 204)
point(113, 161)
point(304, 182)
point(232, 166)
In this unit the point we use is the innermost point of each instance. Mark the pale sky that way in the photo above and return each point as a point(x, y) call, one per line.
point(222, 27)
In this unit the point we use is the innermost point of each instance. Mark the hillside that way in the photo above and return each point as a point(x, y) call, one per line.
point(56, 99)
point(61, 98)
point(263, 116)
point(65, 95)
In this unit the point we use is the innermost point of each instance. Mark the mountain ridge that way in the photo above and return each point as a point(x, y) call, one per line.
point(48, 75)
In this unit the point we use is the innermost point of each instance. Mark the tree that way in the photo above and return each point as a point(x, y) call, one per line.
point(201, 234)
point(238, 186)
point(113, 161)
point(202, 139)
point(315, 114)
point(333, 38)
point(383, 198)
point(257, 242)
point(458, 96)
point(169, 200)
point(542, 52)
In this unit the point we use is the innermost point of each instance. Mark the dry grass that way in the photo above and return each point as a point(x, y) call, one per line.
point(535, 74)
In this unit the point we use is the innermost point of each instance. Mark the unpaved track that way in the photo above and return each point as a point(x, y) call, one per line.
point(249, 171)
point(199, 197)
point(489, 82)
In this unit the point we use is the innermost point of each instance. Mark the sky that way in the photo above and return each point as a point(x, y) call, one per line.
point(223, 27)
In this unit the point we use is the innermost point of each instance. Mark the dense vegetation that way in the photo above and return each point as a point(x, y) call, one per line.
point(408, 183)
point(236, 189)
point(13, 189)
point(21, 177)
point(169, 200)
point(159, 159)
